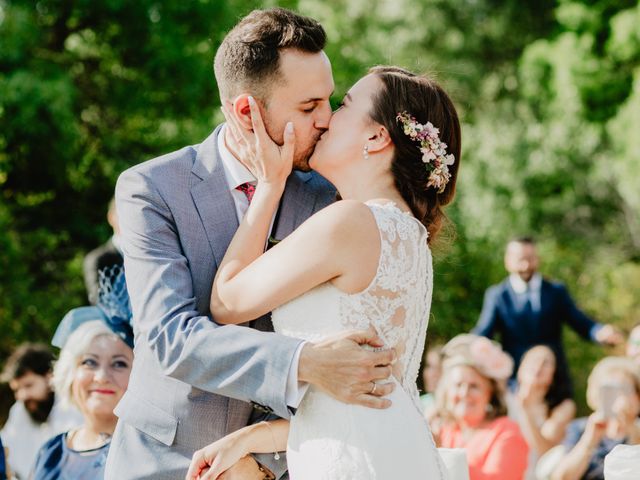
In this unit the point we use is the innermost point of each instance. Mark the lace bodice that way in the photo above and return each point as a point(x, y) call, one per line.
point(396, 302)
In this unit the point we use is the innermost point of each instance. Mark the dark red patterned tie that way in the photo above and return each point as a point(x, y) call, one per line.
point(248, 189)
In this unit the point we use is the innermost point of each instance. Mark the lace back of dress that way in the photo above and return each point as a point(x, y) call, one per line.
point(397, 303)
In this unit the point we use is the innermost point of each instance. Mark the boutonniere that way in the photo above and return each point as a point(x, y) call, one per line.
point(272, 241)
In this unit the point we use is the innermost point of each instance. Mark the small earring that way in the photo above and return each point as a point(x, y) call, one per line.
point(365, 152)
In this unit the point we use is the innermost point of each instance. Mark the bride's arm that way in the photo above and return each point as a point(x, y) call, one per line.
point(271, 165)
point(339, 243)
point(215, 458)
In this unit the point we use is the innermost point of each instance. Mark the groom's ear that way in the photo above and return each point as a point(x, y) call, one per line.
point(242, 111)
point(379, 139)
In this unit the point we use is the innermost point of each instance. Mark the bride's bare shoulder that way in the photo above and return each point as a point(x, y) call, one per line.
point(346, 233)
point(347, 217)
point(344, 223)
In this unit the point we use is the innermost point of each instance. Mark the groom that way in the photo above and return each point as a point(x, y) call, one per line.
point(194, 381)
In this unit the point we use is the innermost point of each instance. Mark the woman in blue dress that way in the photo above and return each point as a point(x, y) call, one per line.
point(92, 373)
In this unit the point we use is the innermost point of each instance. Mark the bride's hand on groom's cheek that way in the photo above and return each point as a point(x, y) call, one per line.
point(268, 161)
point(343, 369)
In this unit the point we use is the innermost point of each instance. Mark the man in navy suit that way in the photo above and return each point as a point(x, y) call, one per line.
point(527, 310)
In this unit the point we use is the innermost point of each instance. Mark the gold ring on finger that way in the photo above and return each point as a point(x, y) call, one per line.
point(373, 389)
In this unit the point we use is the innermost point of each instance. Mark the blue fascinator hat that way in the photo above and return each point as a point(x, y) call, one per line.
point(113, 308)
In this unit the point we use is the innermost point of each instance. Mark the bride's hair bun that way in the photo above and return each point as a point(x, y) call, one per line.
point(426, 100)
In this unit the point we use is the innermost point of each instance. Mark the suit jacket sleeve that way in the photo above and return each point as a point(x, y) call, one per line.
point(230, 360)
point(575, 317)
point(487, 323)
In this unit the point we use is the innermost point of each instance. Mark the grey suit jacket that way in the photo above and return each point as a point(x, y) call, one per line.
point(192, 380)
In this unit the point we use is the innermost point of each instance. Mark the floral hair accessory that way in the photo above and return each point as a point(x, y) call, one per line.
point(478, 352)
point(113, 308)
point(490, 359)
point(434, 151)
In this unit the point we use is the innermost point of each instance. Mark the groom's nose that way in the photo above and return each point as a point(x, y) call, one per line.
point(323, 117)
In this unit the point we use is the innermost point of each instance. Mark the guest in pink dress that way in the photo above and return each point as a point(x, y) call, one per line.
point(471, 410)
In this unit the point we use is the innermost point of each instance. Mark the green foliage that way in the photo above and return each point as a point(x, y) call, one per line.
point(549, 94)
point(560, 158)
point(88, 89)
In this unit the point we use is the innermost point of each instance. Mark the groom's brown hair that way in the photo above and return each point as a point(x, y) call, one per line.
point(248, 59)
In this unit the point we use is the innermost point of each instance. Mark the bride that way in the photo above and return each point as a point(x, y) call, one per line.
point(392, 150)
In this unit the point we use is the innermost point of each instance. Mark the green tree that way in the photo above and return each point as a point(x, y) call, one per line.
point(88, 89)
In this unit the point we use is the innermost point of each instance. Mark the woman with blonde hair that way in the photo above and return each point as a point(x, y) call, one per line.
point(472, 412)
point(613, 393)
point(92, 373)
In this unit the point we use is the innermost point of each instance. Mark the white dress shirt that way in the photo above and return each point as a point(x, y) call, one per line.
point(237, 174)
point(527, 290)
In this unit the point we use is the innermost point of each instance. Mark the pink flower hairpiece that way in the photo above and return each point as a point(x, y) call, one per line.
point(490, 359)
point(434, 151)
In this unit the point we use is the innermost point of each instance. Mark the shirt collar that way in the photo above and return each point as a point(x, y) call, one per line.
point(520, 286)
point(235, 172)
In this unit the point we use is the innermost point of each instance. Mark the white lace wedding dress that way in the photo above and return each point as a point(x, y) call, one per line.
point(330, 440)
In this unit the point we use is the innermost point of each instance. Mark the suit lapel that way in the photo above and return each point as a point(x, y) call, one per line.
point(212, 197)
point(215, 206)
point(296, 205)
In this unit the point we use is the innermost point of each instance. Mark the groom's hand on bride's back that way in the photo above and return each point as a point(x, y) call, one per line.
point(343, 369)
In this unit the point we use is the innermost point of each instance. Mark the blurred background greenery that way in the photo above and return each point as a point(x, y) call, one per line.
point(548, 91)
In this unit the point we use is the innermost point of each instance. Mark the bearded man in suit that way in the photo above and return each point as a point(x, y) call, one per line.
point(527, 310)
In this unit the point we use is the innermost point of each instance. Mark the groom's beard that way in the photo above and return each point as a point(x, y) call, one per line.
point(39, 410)
point(300, 158)
point(301, 163)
